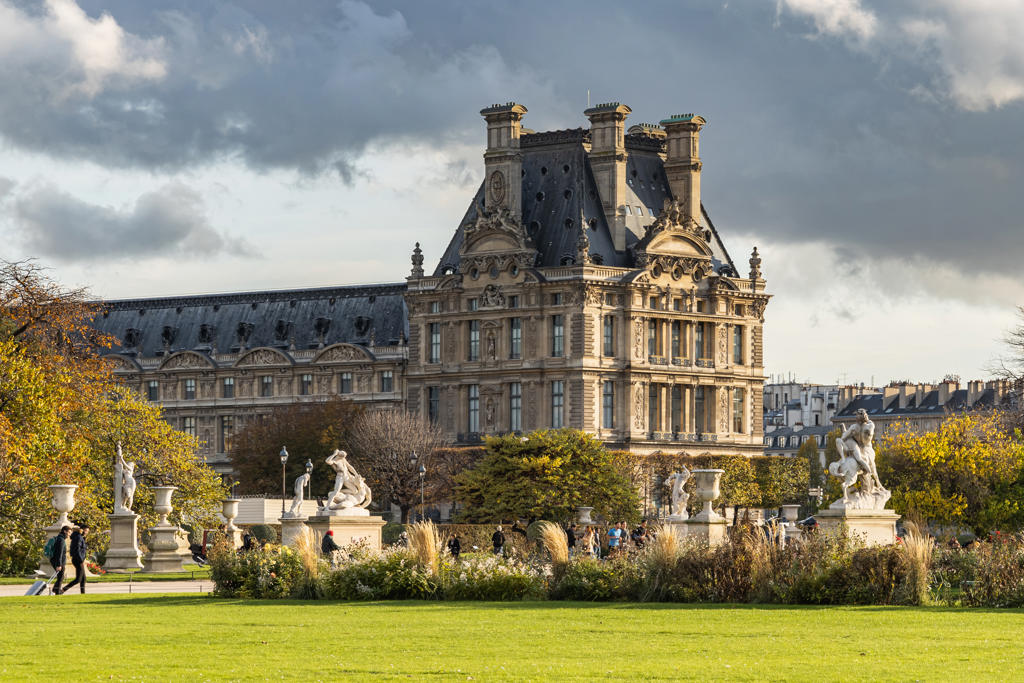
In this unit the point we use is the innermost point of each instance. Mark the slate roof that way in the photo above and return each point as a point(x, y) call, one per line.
point(559, 195)
point(308, 318)
point(875, 404)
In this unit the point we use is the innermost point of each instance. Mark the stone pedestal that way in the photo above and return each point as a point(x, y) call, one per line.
point(873, 527)
point(713, 532)
point(163, 555)
point(292, 528)
point(230, 512)
point(124, 553)
point(348, 529)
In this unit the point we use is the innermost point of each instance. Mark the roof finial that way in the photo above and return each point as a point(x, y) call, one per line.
point(417, 261)
point(755, 266)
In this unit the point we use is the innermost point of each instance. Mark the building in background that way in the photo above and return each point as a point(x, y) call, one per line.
point(586, 287)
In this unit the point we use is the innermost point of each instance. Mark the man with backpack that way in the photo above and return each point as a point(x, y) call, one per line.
point(78, 551)
point(57, 551)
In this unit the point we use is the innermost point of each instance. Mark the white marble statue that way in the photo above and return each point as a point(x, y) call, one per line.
point(857, 461)
point(350, 489)
point(124, 484)
point(300, 490)
point(679, 497)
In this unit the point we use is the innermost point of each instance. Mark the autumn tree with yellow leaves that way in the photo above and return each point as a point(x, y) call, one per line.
point(969, 472)
point(62, 414)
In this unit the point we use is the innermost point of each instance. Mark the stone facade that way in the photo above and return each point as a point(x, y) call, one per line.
point(586, 287)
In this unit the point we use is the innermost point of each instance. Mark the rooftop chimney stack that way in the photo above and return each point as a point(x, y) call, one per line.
point(682, 162)
point(608, 161)
point(503, 163)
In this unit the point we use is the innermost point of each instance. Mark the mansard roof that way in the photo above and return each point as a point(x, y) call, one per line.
point(305, 318)
point(559, 195)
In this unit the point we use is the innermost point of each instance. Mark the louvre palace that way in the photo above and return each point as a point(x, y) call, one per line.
point(586, 287)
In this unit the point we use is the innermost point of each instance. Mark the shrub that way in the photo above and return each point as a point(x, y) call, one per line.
point(20, 557)
point(592, 580)
point(391, 575)
point(999, 579)
point(492, 578)
point(264, 533)
point(268, 572)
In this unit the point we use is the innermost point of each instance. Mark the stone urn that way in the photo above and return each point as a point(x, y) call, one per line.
point(230, 511)
point(63, 502)
point(791, 513)
point(708, 485)
point(584, 515)
point(162, 503)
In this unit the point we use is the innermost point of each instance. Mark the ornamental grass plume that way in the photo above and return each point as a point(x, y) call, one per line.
point(917, 548)
point(425, 545)
point(555, 542)
point(308, 552)
point(659, 559)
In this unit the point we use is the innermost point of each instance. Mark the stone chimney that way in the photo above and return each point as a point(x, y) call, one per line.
point(503, 163)
point(946, 390)
point(920, 392)
point(608, 161)
point(888, 394)
point(904, 395)
point(975, 389)
point(682, 162)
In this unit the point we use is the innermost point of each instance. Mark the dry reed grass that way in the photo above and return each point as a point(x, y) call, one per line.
point(425, 545)
point(917, 548)
point(308, 551)
point(555, 542)
point(659, 559)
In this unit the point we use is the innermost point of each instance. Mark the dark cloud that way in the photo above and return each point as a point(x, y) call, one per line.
point(877, 128)
point(6, 185)
point(169, 221)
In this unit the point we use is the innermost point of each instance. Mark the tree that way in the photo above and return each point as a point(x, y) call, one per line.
point(968, 472)
point(1011, 366)
point(310, 431)
point(809, 452)
point(383, 443)
point(545, 475)
point(62, 414)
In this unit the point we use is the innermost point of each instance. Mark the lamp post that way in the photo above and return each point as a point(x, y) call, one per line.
point(423, 473)
point(284, 461)
point(413, 458)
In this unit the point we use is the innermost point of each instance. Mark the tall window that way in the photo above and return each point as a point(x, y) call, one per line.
point(227, 387)
point(515, 407)
point(652, 337)
point(306, 385)
point(698, 410)
point(698, 341)
point(266, 386)
point(675, 339)
point(737, 410)
point(515, 338)
point(474, 408)
point(227, 432)
point(557, 335)
point(435, 343)
point(677, 408)
point(433, 403)
point(737, 344)
point(608, 405)
point(474, 339)
point(345, 383)
point(387, 381)
point(153, 390)
point(609, 335)
point(557, 404)
point(188, 425)
point(654, 409)
point(435, 306)
point(190, 389)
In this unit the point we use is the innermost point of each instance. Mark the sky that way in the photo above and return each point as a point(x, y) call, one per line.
point(871, 149)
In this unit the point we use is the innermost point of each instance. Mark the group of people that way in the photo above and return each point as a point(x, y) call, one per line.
point(617, 538)
point(58, 556)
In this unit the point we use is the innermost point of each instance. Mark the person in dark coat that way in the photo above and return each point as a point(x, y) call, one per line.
point(78, 551)
point(498, 541)
point(570, 538)
point(328, 546)
point(454, 546)
point(58, 557)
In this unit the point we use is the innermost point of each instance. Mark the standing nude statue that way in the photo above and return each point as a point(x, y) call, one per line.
point(124, 484)
point(300, 489)
point(679, 497)
point(350, 489)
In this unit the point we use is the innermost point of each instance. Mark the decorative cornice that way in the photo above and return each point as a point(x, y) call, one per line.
point(257, 297)
point(555, 137)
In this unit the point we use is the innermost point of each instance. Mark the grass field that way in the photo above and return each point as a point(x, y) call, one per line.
point(191, 638)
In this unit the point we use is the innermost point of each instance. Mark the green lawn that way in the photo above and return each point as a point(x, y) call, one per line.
point(187, 638)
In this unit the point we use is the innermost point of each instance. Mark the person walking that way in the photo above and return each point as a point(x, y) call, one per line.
point(614, 538)
point(328, 547)
point(570, 539)
point(498, 541)
point(454, 546)
point(78, 551)
point(588, 542)
point(58, 557)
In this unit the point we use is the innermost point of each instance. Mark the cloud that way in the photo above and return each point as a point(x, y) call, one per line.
point(169, 221)
point(62, 52)
point(835, 17)
point(6, 186)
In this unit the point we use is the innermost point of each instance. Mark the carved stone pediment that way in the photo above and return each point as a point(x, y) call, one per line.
point(678, 267)
point(341, 353)
point(263, 357)
point(188, 360)
point(495, 233)
point(122, 364)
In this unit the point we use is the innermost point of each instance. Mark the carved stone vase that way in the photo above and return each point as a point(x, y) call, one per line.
point(708, 484)
point(162, 503)
point(584, 515)
point(230, 512)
